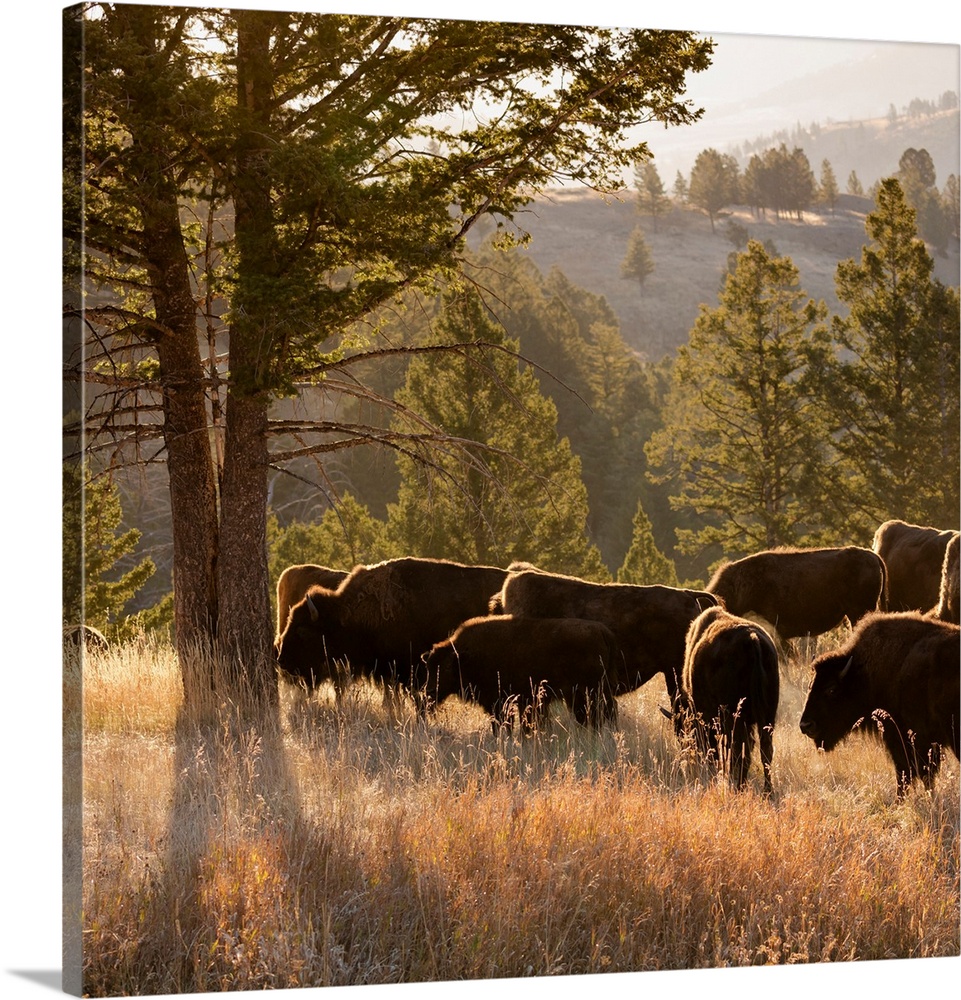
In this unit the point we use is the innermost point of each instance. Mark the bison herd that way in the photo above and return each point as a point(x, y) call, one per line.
point(514, 640)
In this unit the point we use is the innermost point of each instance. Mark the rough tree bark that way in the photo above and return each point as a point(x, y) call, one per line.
point(193, 499)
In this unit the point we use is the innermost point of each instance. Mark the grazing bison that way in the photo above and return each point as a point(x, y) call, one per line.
point(949, 603)
point(896, 676)
point(802, 591)
point(501, 661)
point(86, 637)
point(295, 581)
point(649, 623)
point(729, 689)
point(914, 556)
point(382, 618)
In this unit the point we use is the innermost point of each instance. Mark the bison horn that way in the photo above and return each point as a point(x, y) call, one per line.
point(845, 668)
point(312, 608)
point(665, 712)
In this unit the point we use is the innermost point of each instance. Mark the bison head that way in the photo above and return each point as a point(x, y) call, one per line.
point(835, 701)
point(308, 649)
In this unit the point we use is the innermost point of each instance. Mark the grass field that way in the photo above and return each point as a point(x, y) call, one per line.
point(360, 846)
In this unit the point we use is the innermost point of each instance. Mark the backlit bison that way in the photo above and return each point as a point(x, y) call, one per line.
point(949, 602)
point(914, 556)
point(729, 692)
point(649, 623)
point(500, 662)
point(295, 581)
point(382, 618)
point(897, 676)
point(802, 591)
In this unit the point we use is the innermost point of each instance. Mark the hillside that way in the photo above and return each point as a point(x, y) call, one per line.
point(585, 236)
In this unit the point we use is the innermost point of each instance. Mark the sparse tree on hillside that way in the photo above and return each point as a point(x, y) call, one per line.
point(650, 190)
point(681, 190)
point(742, 443)
point(917, 176)
point(638, 264)
point(891, 387)
point(829, 185)
point(854, 185)
point(714, 182)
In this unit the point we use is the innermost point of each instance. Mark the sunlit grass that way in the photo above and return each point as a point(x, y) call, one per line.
point(361, 845)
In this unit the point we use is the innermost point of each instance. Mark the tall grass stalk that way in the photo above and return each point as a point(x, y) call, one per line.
point(361, 845)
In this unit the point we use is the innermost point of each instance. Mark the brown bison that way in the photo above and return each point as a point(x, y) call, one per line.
point(381, 619)
point(501, 661)
point(295, 581)
point(914, 556)
point(949, 602)
point(897, 676)
point(729, 690)
point(802, 591)
point(649, 623)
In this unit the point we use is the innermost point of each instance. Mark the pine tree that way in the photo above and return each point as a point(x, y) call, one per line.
point(829, 185)
point(638, 264)
point(93, 548)
point(681, 190)
point(522, 497)
point(714, 182)
point(644, 563)
point(892, 385)
point(650, 190)
point(741, 444)
point(854, 185)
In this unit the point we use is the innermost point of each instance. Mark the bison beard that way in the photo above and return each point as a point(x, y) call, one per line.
point(729, 690)
point(500, 662)
point(898, 677)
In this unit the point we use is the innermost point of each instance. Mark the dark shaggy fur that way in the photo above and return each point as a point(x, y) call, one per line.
point(382, 618)
point(803, 591)
point(650, 623)
point(897, 676)
point(295, 581)
point(914, 556)
point(729, 691)
point(500, 661)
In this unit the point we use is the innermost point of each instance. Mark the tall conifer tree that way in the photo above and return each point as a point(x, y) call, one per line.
point(523, 497)
point(742, 435)
point(892, 388)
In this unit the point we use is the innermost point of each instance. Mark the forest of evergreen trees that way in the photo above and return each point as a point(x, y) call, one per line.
point(764, 430)
point(390, 393)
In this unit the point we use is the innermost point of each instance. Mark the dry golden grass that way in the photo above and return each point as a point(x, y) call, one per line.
point(357, 845)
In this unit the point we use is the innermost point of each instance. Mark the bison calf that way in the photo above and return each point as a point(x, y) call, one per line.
point(729, 688)
point(501, 661)
point(898, 674)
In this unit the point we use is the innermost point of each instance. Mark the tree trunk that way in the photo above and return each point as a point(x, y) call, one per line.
point(245, 631)
point(193, 500)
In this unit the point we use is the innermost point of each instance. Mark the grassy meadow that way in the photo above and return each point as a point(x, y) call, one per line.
point(357, 845)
